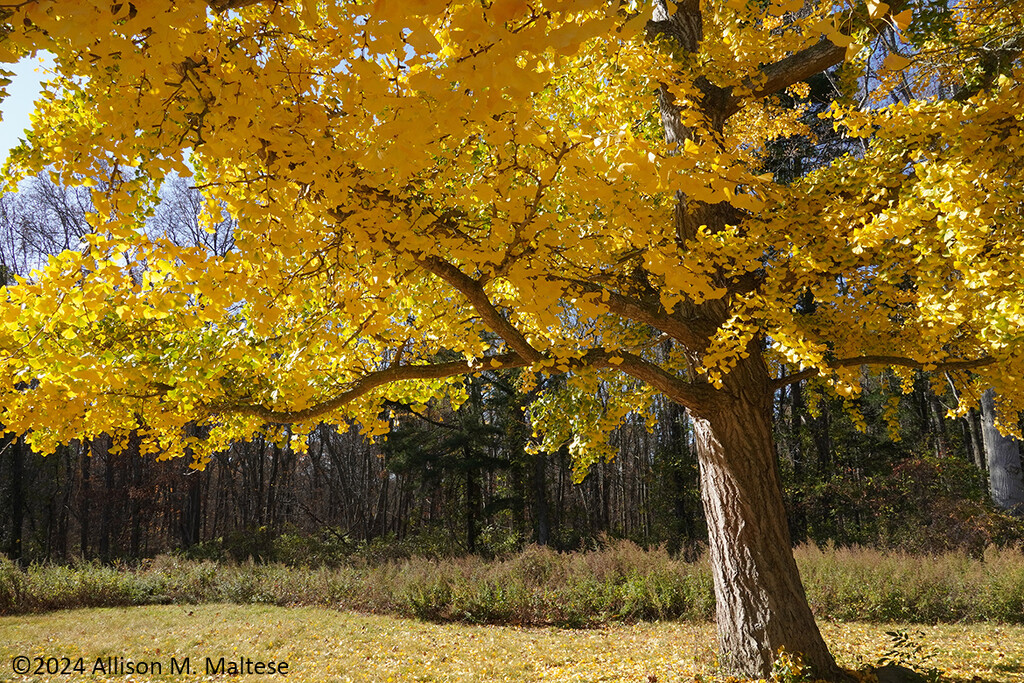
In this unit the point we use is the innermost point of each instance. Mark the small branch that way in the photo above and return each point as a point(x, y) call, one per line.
point(407, 408)
point(883, 360)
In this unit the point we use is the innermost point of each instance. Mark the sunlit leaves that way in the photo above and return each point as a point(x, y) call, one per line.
point(519, 144)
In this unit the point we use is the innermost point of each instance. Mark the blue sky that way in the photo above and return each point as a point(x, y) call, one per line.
point(17, 107)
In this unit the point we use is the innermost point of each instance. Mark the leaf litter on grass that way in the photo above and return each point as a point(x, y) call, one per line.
point(324, 645)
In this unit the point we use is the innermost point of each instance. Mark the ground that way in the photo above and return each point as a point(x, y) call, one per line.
point(324, 645)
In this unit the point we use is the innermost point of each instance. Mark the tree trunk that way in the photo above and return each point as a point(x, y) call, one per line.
point(539, 482)
point(977, 442)
point(799, 512)
point(17, 447)
point(472, 504)
point(1006, 485)
point(106, 512)
point(760, 602)
point(84, 504)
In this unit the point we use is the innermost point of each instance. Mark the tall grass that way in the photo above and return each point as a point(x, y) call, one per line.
point(619, 582)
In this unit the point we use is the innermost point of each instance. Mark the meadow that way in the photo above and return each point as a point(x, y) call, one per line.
point(618, 582)
point(615, 613)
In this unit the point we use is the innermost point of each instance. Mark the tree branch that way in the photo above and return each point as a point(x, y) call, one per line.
point(637, 311)
point(366, 384)
point(225, 5)
point(994, 62)
point(697, 397)
point(882, 360)
point(473, 290)
point(793, 69)
point(687, 394)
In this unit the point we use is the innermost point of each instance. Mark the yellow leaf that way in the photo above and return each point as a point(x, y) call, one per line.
point(877, 9)
point(903, 19)
point(895, 62)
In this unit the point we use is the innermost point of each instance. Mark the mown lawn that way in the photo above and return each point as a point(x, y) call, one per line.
point(324, 645)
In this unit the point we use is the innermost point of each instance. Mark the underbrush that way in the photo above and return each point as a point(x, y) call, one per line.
point(618, 582)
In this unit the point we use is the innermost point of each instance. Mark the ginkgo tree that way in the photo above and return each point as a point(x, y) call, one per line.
point(570, 187)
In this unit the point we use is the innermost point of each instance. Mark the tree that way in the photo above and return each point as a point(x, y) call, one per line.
point(1002, 455)
point(567, 186)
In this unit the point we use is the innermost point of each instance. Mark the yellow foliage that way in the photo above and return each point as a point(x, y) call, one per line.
point(493, 183)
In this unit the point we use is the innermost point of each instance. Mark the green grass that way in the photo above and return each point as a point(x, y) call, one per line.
point(325, 645)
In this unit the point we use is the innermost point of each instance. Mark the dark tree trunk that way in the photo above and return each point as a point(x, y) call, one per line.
point(191, 513)
point(106, 512)
point(540, 499)
point(799, 512)
point(977, 443)
point(472, 505)
point(938, 424)
point(17, 447)
point(760, 602)
point(135, 459)
point(67, 464)
point(84, 508)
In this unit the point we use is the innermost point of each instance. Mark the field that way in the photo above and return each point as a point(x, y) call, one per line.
point(320, 644)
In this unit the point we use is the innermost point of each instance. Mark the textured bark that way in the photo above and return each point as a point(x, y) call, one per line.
point(760, 602)
point(1005, 481)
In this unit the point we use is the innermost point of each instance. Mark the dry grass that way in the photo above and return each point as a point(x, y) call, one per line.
point(325, 645)
point(538, 587)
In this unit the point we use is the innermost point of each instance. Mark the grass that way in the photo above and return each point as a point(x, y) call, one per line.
point(618, 583)
point(325, 645)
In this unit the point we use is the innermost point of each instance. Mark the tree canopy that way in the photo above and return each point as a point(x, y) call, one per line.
point(425, 190)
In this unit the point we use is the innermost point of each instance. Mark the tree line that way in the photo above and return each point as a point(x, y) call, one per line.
point(887, 469)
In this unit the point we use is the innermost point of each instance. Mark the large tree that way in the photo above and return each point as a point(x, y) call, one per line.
point(566, 186)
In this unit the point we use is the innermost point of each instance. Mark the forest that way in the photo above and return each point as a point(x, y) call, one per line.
point(338, 288)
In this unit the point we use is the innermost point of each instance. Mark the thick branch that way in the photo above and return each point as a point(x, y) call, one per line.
point(224, 5)
point(474, 292)
point(797, 67)
point(994, 62)
point(695, 396)
point(883, 360)
point(366, 384)
point(638, 311)
point(685, 393)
